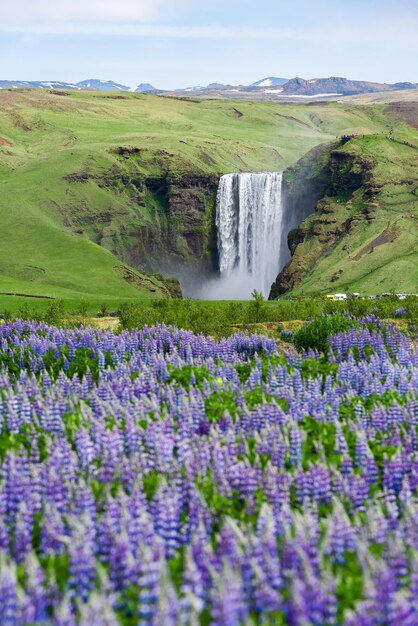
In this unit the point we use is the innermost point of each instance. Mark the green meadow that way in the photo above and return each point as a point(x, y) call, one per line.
point(367, 240)
point(47, 138)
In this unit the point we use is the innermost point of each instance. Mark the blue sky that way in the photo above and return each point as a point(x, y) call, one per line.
point(178, 43)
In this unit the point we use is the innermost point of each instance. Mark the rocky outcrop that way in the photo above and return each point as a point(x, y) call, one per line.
point(163, 223)
point(181, 240)
point(171, 284)
point(191, 203)
point(304, 184)
point(153, 284)
point(333, 175)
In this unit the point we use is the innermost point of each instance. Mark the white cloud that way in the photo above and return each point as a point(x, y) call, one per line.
point(393, 34)
point(40, 12)
point(143, 18)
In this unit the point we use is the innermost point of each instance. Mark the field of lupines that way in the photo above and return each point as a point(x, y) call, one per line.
point(162, 478)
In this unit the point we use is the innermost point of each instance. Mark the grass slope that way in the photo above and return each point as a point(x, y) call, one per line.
point(382, 97)
point(366, 241)
point(46, 137)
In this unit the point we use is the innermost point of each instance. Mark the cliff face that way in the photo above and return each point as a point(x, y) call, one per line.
point(303, 185)
point(364, 228)
point(191, 233)
point(340, 175)
point(163, 223)
point(180, 238)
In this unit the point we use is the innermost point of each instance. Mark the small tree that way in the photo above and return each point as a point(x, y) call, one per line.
point(104, 311)
point(55, 312)
point(26, 313)
point(8, 315)
point(257, 307)
point(83, 308)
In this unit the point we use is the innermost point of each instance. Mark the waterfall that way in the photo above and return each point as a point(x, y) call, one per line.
point(249, 220)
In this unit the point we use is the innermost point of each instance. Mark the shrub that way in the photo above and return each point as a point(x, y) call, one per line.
point(257, 309)
point(54, 313)
point(315, 334)
point(104, 311)
point(83, 308)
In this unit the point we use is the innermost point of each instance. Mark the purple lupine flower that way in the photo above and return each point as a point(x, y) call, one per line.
point(229, 607)
point(295, 447)
point(192, 589)
point(168, 608)
point(22, 532)
point(82, 569)
point(121, 563)
point(151, 564)
point(98, 611)
point(9, 610)
point(167, 514)
point(64, 614)
point(39, 594)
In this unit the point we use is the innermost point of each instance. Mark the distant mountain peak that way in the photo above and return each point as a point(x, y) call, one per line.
point(102, 85)
point(144, 88)
point(270, 81)
point(38, 84)
point(334, 86)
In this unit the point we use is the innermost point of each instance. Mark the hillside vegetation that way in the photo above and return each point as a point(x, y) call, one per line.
point(363, 235)
point(382, 97)
point(95, 183)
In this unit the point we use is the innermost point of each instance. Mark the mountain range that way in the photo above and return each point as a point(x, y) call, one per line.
point(269, 88)
point(91, 84)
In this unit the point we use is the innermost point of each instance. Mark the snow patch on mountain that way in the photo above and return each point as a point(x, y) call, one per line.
point(102, 85)
point(316, 95)
point(270, 81)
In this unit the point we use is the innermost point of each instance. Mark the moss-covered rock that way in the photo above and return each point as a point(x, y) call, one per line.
point(162, 223)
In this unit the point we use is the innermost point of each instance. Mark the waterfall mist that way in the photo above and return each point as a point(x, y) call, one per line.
point(251, 247)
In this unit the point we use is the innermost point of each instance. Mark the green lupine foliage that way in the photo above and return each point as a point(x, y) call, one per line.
point(315, 334)
point(318, 448)
point(317, 368)
point(184, 375)
point(219, 402)
point(83, 361)
point(322, 434)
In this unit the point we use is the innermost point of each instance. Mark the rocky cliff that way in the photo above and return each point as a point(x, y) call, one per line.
point(163, 223)
point(303, 185)
point(363, 232)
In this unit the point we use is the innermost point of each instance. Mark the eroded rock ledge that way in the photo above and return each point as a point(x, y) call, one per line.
point(312, 187)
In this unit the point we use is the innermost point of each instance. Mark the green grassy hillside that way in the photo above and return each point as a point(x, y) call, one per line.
point(75, 172)
point(382, 97)
point(364, 235)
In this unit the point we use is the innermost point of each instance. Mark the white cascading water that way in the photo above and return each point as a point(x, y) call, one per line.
point(249, 218)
